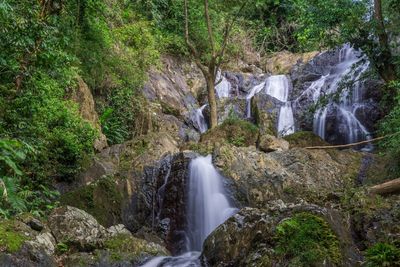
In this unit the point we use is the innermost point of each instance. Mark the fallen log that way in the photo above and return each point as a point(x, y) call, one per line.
point(389, 187)
point(352, 144)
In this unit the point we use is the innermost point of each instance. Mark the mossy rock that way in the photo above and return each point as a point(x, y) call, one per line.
point(11, 235)
point(233, 131)
point(305, 139)
point(125, 247)
point(102, 199)
point(307, 240)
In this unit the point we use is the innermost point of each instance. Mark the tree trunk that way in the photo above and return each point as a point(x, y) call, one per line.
point(212, 100)
point(387, 70)
point(389, 187)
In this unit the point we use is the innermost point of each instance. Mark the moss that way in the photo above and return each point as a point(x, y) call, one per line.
point(233, 131)
point(101, 199)
point(124, 246)
point(307, 240)
point(10, 239)
point(383, 254)
point(304, 139)
point(169, 110)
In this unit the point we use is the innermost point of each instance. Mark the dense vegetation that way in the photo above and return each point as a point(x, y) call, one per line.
point(46, 45)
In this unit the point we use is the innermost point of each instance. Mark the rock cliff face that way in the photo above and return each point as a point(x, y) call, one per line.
point(142, 183)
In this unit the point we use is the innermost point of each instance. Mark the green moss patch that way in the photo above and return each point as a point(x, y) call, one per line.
point(102, 199)
point(233, 131)
point(10, 239)
point(125, 246)
point(305, 139)
point(307, 240)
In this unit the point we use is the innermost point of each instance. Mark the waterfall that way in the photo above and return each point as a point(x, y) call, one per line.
point(278, 86)
point(207, 208)
point(255, 90)
point(286, 120)
point(200, 120)
point(224, 87)
point(351, 66)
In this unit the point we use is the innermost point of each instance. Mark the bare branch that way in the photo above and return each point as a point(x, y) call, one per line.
point(209, 28)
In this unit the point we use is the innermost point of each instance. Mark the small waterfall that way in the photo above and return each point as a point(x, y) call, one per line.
point(255, 90)
point(224, 87)
point(278, 86)
point(352, 65)
point(207, 208)
point(286, 120)
point(200, 120)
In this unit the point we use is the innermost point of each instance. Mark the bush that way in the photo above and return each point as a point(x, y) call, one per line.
point(383, 254)
point(307, 240)
point(390, 127)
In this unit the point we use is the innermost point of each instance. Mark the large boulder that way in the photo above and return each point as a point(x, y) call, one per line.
point(270, 143)
point(24, 243)
point(295, 174)
point(291, 236)
point(76, 228)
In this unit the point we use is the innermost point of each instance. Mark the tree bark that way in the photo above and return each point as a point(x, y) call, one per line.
point(387, 70)
point(212, 101)
point(389, 187)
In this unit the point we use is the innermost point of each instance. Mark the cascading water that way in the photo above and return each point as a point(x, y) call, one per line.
point(200, 120)
point(352, 65)
point(278, 87)
point(223, 87)
point(207, 207)
point(255, 90)
point(286, 120)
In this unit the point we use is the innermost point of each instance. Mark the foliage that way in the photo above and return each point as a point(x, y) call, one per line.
point(390, 127)
point(307, 240)
point(383, 254)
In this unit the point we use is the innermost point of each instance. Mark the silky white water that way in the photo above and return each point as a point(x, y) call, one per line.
point(286, 120)
point(255, 90)
point(352, 65)
point(278, 86)
point(207, 208)
point(223, 86)
point(200, 120)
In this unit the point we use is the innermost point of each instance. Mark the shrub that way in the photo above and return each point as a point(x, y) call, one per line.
point(383, 254)
point(307, 240)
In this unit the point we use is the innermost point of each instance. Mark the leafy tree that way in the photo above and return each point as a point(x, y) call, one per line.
point(208, 55)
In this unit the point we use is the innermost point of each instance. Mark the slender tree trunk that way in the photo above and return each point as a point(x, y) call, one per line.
point(387, 70)
point(212, 100)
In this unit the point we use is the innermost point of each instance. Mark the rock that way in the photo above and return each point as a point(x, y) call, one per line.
point(283, 62)
point(118, 229)
point(119, 251)
point(255, 237)
point(84, 98)
point(269, 143)
point(233, 131)
point(289, 175)
point(22, 246)
point(76, 228)
point(304, 139)
point(265, 110)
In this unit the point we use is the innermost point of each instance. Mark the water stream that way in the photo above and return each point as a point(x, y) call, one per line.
point(223, 86)
point(350, 68)
point(207, 207)
point(200, 120)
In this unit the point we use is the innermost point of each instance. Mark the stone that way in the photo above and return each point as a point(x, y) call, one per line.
point(118, 229)
point(283, 62)
point(249, 238)
point(76, 228)
point(298, 173)
point(84, 98)
point(268, 143)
